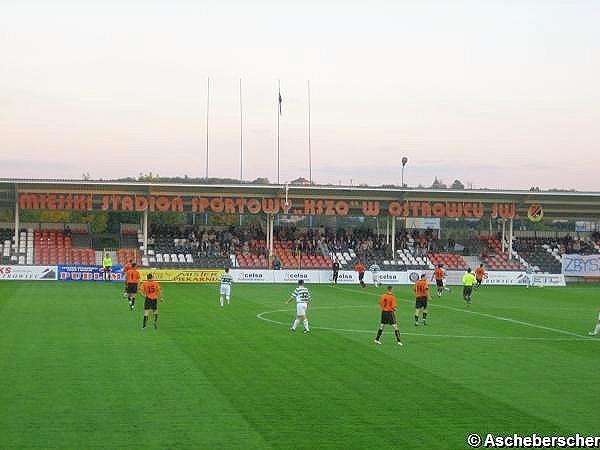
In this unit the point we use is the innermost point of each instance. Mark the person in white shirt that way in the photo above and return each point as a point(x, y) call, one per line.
point(225, 289)
point(374, 268)
point(302, 296)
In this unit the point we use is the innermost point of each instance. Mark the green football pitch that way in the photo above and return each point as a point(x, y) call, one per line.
point(77, 371)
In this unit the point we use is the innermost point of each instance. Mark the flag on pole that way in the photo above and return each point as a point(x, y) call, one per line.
point(280, 102)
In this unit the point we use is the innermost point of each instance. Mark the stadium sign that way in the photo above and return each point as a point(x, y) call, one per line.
point(576, 265)
point(265, 205)
point(507, 278)
point(252, 276)
point(535, 213)
point(292, 276)
point(454, 278)
point(94, 273)
point(183, 276)
point(29, 273)
point(389, 277)
point(539, 279)
point(423, 223)
point(88, 273)
point(347, 277)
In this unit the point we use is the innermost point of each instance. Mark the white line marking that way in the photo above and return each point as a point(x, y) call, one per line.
point(518, 322)
point(576, 337)
point(506, 319)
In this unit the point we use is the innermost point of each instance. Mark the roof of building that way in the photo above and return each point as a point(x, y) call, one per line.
point(332, 200)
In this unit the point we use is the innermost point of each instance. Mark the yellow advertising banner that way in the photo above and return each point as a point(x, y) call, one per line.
point(183, 275)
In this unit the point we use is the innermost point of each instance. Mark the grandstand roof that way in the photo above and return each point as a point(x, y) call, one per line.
point(556, 205)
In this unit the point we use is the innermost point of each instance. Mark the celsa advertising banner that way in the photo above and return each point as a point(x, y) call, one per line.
point(252, 276)
point(388, 277)
point(28, 273)
point(348, 277)
point(292, 276)
point(89, 273)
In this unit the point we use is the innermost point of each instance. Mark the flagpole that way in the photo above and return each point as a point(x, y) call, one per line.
point(207, 116)
point(241, 135)
point(278, 117)
point(309, 149)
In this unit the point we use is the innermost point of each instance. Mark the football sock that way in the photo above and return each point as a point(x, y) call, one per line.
point(397, 335)
point(295, 324)
point(221, 300)
point(597, 329)
point(424, 316)
point(145, 321)
point(416, 318)
point(305, 322)
point(378, 334)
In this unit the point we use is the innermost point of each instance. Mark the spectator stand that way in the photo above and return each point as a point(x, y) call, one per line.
point(542, 255)
point(180, 246)
point(494, 258)
point(450, 261)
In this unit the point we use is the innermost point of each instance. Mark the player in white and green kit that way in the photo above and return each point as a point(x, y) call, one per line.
point(374, 268)
point(302, 296)
point(225, 289)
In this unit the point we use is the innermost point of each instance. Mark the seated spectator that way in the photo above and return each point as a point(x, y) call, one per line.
point(245, 248)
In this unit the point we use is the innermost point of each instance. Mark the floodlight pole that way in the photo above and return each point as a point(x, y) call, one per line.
point(278, 118)
point(503, 233)
point(241, 135)
point(510, 239)
point(145, 231)
point(394, 237)
point(309, 148)
point(17, 218)
point(207, 117)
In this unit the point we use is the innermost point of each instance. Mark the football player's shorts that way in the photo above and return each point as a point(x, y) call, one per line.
point(225, 290)
point(388, 317)
point(150, 304)
point(301, 308)
point(421, 302)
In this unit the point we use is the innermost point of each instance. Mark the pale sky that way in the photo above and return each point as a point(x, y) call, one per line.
point(495, 94)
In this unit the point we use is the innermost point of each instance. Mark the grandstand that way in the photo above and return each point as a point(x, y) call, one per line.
point(234, 247)
point(319, 225)
point(168, 248)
